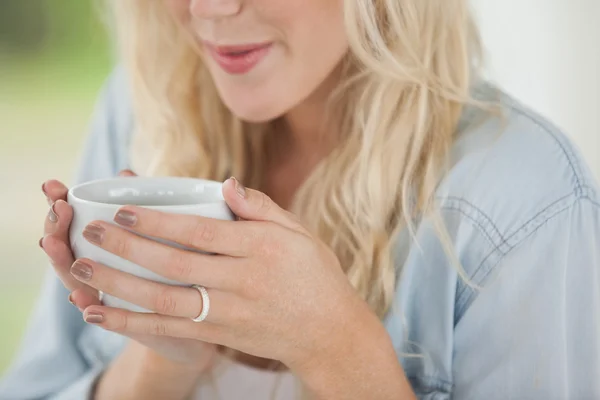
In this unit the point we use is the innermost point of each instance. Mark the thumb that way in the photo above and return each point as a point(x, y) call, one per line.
point(253, 205)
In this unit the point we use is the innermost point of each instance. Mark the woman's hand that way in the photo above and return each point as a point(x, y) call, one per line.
point(56, 245)
point(275, 291)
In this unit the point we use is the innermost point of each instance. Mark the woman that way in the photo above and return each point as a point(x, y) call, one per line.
point(411, 232)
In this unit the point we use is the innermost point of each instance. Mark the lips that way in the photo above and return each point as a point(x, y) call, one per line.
point(240, 59)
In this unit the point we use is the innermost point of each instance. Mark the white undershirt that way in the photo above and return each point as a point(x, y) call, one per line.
point(234, 381)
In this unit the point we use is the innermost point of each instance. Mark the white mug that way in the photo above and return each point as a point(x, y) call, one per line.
point(101, 199)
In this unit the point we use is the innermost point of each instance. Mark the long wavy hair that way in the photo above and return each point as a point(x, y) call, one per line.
point(406, 79)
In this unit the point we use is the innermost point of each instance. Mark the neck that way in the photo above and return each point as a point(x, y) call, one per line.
point(298, 142)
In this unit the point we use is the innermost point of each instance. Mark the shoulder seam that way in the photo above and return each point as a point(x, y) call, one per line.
point(466, 295)
point(590, 193)
point(551, 130)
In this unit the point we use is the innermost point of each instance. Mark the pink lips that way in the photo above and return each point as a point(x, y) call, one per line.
point(238, 59)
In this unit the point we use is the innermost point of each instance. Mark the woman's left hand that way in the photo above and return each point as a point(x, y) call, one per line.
point(275, 291)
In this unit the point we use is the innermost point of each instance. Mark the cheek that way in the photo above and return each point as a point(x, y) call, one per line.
point(311, 27)
point(318, 39)
point(180, 9)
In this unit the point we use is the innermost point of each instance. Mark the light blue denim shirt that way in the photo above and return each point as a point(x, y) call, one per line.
point(523, 214)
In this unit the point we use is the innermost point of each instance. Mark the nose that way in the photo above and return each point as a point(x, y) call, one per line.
point(215, 9)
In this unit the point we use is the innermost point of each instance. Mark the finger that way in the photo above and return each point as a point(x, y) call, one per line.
point(127, 173)
point(58, 220)
point(232, 238)
point(55, 242)
point(61, 259)
point(221, 272)
point(54, 190)
point(82, 299)
point(164, 299)
point(256, 206)
point(131, 323)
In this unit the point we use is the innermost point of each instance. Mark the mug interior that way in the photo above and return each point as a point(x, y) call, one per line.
point(143, 191)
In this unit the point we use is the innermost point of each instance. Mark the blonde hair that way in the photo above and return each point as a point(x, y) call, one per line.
point(406, 79)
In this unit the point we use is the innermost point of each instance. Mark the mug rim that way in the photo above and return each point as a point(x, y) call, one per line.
point(73, 198)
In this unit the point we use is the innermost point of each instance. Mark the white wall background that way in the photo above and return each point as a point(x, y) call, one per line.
point(547, 54)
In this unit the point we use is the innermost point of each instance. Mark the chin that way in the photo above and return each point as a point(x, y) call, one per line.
point(256, 111)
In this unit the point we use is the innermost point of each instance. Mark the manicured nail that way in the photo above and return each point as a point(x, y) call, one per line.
point(81, 271)
point(94, 317)
point(125, 218)
point(52, 216)
point(94, 233)
point(239, 188)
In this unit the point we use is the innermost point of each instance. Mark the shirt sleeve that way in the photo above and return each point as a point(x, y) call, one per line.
point(49, 364)
point(533, 332)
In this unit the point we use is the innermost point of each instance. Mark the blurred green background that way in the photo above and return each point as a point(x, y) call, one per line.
point(54, 57)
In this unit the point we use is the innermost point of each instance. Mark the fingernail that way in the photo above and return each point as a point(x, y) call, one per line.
point(239, 188)
point(94, 317)
point(81, 271)
point(94, 233)
point(125, 218)
point(41, 242)
point(52, 216)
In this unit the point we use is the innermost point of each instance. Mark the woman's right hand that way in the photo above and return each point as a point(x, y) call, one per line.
point(192, 355)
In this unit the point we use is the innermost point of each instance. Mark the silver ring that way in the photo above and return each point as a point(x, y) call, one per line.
point(205, 303)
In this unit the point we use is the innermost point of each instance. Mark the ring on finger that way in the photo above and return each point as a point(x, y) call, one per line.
point(205, 303)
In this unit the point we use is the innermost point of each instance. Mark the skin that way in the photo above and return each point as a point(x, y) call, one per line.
point(282, 83)
point(276, 291)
